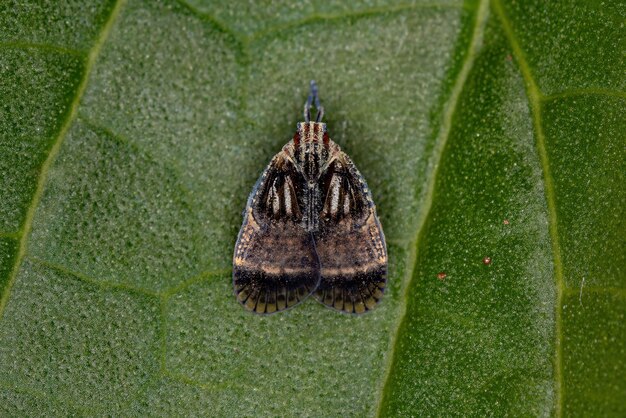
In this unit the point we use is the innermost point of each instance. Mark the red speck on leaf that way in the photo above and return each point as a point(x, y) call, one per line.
point(506, 222)
point(441, 275)
point(487, 261)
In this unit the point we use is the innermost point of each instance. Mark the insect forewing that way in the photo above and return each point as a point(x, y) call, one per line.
point(350, 243)
point(275, 265)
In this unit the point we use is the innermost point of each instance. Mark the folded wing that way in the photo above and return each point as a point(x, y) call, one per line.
point(275, 265)
point(350, 243)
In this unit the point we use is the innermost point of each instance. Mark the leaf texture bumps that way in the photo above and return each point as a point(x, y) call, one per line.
point(131, 133)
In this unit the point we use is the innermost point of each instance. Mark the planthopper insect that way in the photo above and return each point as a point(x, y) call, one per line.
point(310, 227)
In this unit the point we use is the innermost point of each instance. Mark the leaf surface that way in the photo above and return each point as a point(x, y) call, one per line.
point(491, 135)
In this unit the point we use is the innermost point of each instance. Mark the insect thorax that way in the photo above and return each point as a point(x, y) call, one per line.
point(311, 149)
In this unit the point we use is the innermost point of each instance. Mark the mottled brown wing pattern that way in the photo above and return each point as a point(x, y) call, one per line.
point(310, 226)
point(350, 243)
point(275, 264)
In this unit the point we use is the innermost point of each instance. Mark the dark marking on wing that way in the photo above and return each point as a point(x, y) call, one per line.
point(276, 196)
point(344, 194)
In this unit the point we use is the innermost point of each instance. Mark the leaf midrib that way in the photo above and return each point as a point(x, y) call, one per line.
point(92, 56)
point(535, 99)
point(480, 19)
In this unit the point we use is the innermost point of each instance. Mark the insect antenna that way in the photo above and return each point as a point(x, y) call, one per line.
point(313, 99)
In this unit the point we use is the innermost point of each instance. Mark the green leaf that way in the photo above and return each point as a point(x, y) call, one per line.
point(132, 132)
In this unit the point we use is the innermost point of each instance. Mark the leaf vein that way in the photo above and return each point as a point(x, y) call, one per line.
point(619, 292)
point(205, 275)
point(370, 12)
point(12, 235)
point(104, 284)
point(315, 17)
point(440, 144)
point(535, 97)
point(43, 47)
point(207, 17)
point(174, 168)
point(54, 150)
point(584, 92)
